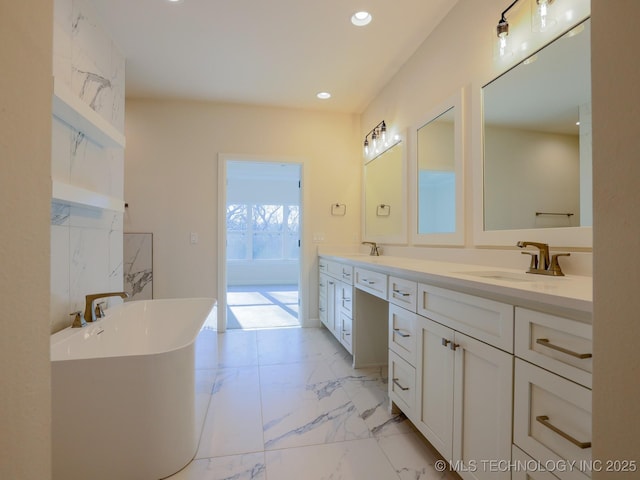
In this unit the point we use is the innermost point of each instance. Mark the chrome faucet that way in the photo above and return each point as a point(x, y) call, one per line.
point(89, 312)
point(374, 248)
point(543, 266)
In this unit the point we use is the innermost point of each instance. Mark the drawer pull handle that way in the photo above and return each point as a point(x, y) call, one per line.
point(453, 346)
point(322, 266)
point(399, 332)
point(346, 299)
point(346, 275)
point(543, 419)
point(401, 293)
point(445, 342)
point(395, 382)
point(545, 343)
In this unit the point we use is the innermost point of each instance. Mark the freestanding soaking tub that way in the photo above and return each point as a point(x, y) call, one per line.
point(123, 392)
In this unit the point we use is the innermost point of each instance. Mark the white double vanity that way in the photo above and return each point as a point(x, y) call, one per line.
point(493, 367)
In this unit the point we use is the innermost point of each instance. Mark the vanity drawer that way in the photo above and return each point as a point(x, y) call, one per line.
point(371, 282)
point(402, 333)
point(552, 419)
point(486, 320)
point(346, 332)
point(345, 297)
point(402, 383)
point(558, 344)
point(403, 292)
point(340, 271)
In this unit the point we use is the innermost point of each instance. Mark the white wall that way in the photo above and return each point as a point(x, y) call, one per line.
point(171, 181)
point(616, 174)
point(86, 243)
point(25, 193)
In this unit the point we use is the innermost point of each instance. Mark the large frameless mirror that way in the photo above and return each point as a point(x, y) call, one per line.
point(438, 188)
point(385, 197)
point(537, 145)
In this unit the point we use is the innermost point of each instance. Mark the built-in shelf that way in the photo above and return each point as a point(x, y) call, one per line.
point(72, 195)
point(69, 108)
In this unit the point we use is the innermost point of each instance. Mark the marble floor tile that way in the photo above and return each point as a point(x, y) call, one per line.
point(234, 420)
point(351, 460)
point(250, 466)
point(368, 390)
point(237, 348)
point(304, 404)
point(294, 345)
point(285, 404)
point(412, 458)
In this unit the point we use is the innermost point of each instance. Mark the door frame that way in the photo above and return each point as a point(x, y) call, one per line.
point(303, 291)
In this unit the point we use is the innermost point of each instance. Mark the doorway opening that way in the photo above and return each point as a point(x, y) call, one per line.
point(262, 239)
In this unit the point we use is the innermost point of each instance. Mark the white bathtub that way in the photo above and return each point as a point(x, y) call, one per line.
point(123, 391)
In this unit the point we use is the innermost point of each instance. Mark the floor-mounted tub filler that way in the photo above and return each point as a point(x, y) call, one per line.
point(123, 391)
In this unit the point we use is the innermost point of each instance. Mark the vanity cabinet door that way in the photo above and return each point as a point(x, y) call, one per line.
point(434, 384)
point(483, 408)
point(464, 402)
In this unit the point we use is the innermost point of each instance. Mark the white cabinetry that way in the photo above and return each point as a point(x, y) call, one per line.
point(464, 388)
point(353, 306)
point(552, 414)
point(335, 300)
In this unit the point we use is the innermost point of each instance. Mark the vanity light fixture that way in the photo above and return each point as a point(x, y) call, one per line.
point(541, 18)
point(502, 31)
point(360, 19)
point(378, 140)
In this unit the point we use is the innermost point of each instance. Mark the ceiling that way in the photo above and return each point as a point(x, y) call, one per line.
point(266, 52)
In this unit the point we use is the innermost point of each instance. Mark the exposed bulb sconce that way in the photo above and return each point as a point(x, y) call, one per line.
point(502, 31)
point(541, 18)
point(377, 141)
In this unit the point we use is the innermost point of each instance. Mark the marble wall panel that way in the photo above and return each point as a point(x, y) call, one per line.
point(86, 245)
point(138, 265)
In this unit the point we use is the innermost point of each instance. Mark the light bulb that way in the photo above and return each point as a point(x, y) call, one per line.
point(366, 147)
point(541, 18)
point(504, 48)
point(383, 134)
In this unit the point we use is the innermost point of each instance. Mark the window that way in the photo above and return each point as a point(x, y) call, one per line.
point(262, 232)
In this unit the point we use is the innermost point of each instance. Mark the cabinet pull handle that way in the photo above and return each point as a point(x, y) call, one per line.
point(399, 332)
point(397, 383)
point(401, 293)
point(346, 299)
point(543, 419)
point(322, 267)
point(445, 342)
point(453, 346)
point(545, 343)
point(346, 275)
point(331, 283)
point(321, 309)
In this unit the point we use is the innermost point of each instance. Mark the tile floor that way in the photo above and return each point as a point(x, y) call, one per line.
point(285, 404)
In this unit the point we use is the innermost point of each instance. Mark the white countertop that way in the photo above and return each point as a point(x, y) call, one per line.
point(515, 286)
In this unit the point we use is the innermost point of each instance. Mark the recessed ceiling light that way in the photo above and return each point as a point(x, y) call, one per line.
point(360, 19)
point(174, 1)
point(323, 95)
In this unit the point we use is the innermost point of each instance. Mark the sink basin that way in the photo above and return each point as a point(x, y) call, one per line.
point(502, 276)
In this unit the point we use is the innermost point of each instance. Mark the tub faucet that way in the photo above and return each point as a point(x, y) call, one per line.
point(374, 248)
point(544, 266)
point(89, 312)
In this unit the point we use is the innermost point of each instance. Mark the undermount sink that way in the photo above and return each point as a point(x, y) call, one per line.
point(500, 275)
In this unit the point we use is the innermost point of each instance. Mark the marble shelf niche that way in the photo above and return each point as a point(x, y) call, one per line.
point(74, 112)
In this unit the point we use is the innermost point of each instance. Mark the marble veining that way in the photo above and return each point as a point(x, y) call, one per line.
point(138, 265)
point(307, 415)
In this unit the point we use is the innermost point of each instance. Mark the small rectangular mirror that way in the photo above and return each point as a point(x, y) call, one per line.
point(438, 180)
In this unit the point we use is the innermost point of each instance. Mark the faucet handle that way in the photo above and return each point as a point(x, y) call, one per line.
point(79, 320)
point(534, 260)
point(555, 266)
